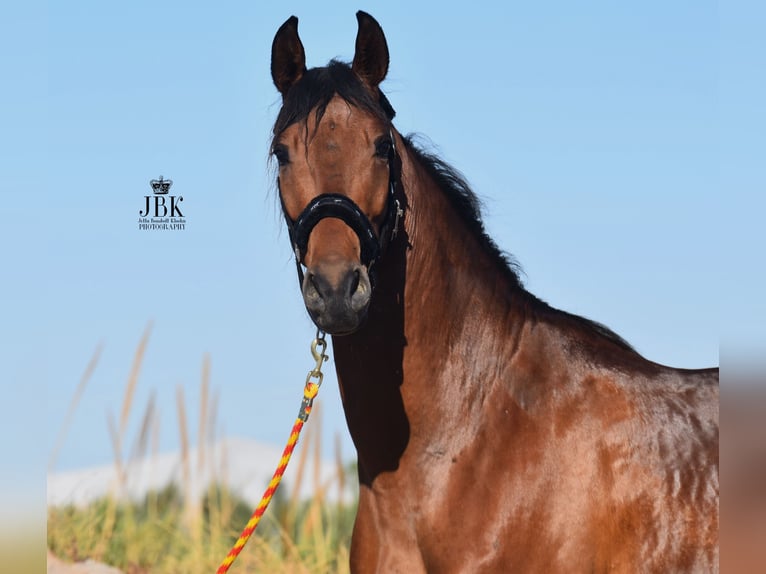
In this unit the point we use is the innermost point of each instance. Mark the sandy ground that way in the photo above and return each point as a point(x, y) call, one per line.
point(56, 566)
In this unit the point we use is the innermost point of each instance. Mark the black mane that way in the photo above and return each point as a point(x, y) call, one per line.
point(467, 204)
point(315, 90)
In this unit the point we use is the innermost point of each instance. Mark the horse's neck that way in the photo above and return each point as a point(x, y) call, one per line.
point(455, 290)
point(442, 311)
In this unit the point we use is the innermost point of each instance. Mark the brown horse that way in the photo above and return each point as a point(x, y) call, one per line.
point(494, 433)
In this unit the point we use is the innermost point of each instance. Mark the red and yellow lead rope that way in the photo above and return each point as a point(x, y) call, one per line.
point(310, 391)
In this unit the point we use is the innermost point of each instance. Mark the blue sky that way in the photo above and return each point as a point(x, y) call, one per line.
point(599, 135)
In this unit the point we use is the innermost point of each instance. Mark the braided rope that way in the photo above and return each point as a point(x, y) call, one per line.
point(309, 392)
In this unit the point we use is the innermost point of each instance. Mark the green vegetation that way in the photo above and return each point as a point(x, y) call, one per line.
point(157, 535)
point(170, 533)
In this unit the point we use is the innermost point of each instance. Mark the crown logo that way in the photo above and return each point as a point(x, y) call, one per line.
point(161, 186)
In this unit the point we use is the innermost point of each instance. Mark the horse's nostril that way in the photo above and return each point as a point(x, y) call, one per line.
point(312, 294)
point(360, 290)
point(312, 290)
point(361, 286)
point(354, 286)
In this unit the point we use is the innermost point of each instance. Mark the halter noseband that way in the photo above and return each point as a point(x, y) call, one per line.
point(342, 207)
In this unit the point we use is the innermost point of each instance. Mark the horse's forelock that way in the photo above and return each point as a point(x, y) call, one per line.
point(318, 86)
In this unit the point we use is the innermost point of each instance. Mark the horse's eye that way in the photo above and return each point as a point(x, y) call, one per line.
point(280, 152)
point(383, 147)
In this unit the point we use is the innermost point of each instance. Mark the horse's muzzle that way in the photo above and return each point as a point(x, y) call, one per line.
point(337, 296)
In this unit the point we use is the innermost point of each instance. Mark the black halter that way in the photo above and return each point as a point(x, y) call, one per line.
point(342, 207)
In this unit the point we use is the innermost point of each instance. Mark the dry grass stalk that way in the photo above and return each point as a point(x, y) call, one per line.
point(192, 504)
point(73, 404)
point(340, 470)
point(316, 435)
point(114, 436)
point(135, 369)
point(290, 513)
point(140, 446)
point(313, 524)
point(117, 436)
point(213, 418)
point(185, 466)
point(155, 450)
point(203, 412)
point(110, 514)
point(310, 525)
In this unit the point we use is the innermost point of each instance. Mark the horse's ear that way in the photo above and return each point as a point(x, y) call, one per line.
point(371, 56)
point(288, 60)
